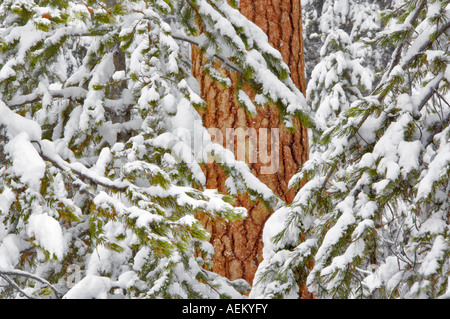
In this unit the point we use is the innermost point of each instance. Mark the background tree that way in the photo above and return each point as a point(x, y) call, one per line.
point(346, 67)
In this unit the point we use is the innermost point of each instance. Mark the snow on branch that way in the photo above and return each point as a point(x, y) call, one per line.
point(15, 272)
point(227, 62)
point(73, 93)
point(48, 153)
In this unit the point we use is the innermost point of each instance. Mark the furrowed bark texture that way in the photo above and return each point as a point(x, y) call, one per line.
point(238, 245)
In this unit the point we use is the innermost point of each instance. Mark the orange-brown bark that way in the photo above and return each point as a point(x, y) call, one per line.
point(238, 245)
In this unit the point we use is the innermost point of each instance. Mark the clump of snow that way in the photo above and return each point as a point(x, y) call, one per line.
point(430, 264)
point(26, 161)
point(16, 124)
point(10, 247)
point(7, 197)
point(435, 170)
point(48, 233)
point(243, 98)
point(273, 226)
point(90, 287)
point(119, 75)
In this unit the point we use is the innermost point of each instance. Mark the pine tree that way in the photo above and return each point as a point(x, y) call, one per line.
point(232, 105)
point(358, 18)
point(103, 143)
point(376, 203)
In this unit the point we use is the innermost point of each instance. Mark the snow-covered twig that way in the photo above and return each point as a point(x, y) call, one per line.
point(5, 273)
point(74, 93)
point(14, 285)
point(81, 171)
point(404, 64)
point(429, 90)
point(398, 51)
point(224, 60)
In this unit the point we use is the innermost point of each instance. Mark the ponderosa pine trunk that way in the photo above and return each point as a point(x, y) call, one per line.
point(238, 245)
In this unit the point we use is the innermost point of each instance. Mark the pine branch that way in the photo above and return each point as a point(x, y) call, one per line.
point(72, 93)
point(410, 56)
point(227, 62)
point(16, 272)
point(405, 64)
point(81, 171)
point(444, 123)
point(398, 51)
point(14, 285)
point(430, 89)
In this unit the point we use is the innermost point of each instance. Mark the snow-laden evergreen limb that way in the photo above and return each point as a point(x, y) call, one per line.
point(102, 145)
point(376, 207)
point(344, 72)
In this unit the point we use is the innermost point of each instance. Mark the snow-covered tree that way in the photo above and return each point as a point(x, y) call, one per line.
point(375, 209)
point(360, 19)
point(339, 78)
point(102, 143)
